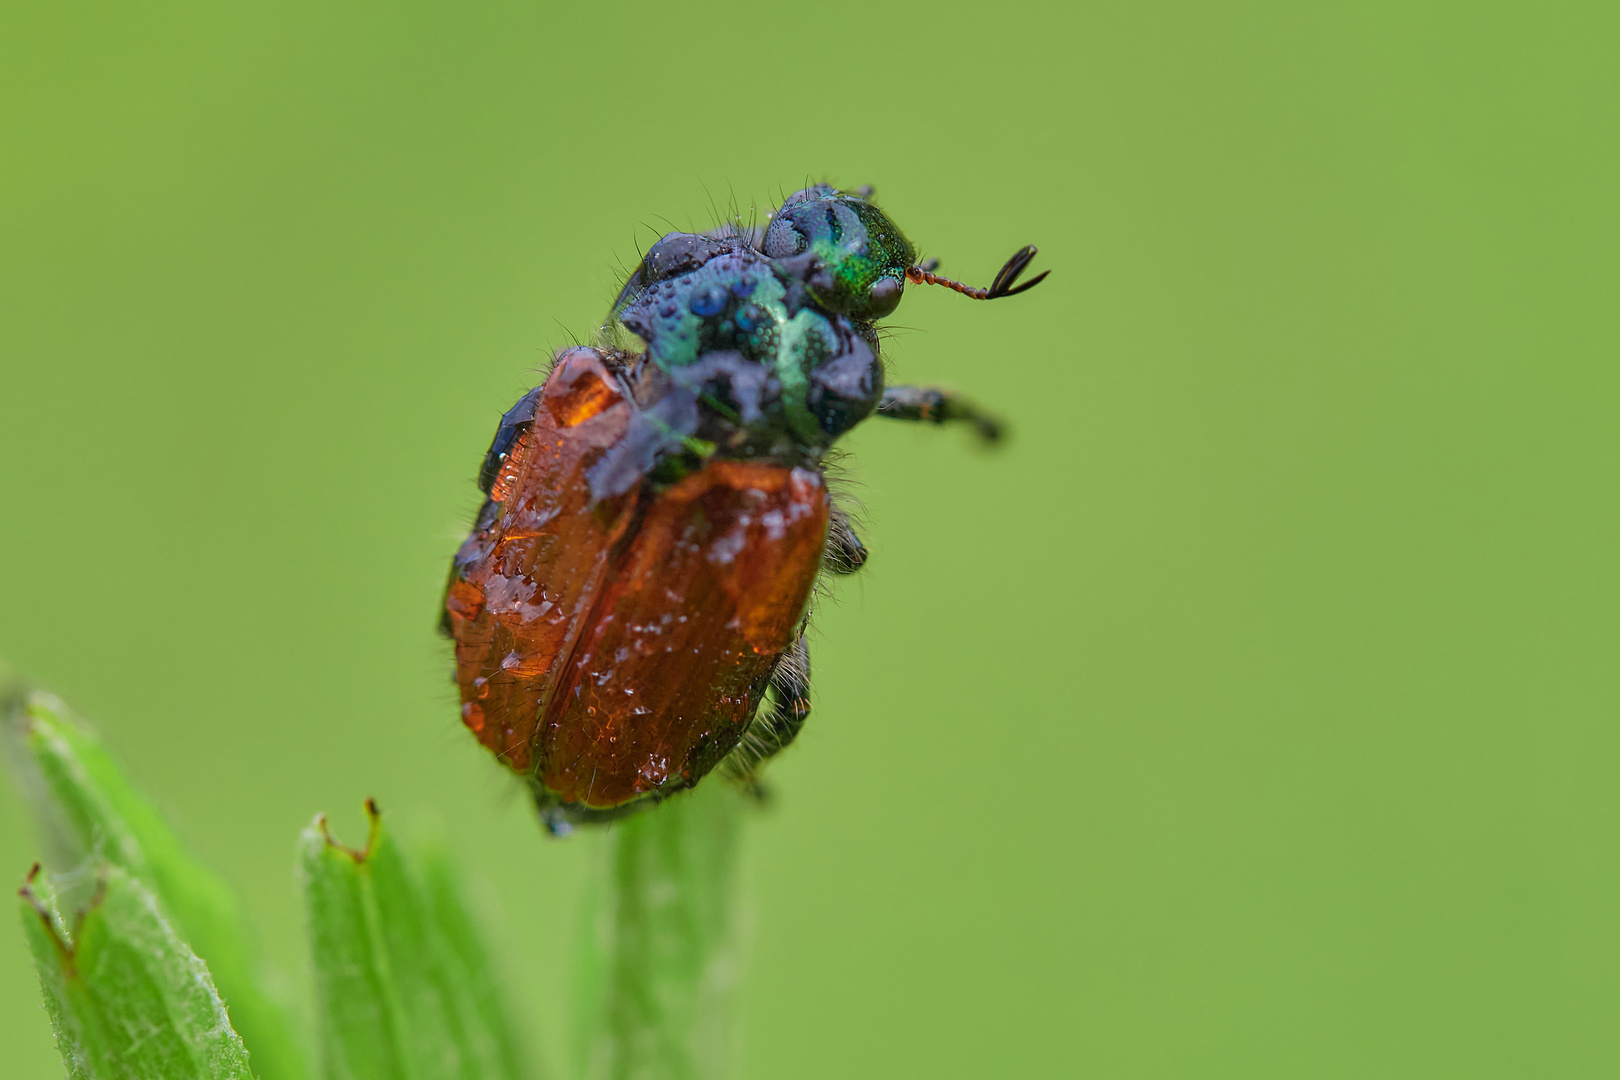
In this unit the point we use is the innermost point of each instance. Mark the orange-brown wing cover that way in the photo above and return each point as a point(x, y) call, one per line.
point(527, 579)
point(608, 651)
point(679, 646)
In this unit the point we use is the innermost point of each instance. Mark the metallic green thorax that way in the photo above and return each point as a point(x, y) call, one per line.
point(772, 331)
point(734, 303)
point(798, 340)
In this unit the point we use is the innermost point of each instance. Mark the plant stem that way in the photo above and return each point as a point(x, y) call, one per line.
point(659, 952)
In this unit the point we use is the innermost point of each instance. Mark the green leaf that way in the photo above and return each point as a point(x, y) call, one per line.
point(659, 961)
point(126, 997)
point(405, 986)
point(470, 969)
point(87, 807)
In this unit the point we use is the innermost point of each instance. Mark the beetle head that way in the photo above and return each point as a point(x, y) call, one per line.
point(850, 256)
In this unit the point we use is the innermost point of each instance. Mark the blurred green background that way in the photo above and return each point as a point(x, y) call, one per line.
point(1252, 714)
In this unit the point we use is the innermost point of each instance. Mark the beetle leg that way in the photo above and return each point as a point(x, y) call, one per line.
point(778, 721)
point(935, 406)
point(844, 553)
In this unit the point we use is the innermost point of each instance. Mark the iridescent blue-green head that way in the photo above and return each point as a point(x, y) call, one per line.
point(854, 258)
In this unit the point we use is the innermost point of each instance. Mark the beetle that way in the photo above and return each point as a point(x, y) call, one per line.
point(629, 609)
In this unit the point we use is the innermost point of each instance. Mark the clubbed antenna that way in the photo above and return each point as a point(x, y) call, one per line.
point(1002, 286)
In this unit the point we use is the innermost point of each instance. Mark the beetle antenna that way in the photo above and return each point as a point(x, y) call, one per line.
point(1003, 285)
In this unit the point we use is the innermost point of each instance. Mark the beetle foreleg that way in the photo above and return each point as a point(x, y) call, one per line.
point(844, 553)
point(935, 406)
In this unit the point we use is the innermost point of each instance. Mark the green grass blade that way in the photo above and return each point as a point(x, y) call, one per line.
point(476, 986)
point(357, 1017)
point(126, 997)
point(404, 985)
point(660, 957)
point(86, 805)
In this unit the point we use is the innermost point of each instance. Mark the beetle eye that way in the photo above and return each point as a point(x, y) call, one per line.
point(884, 297)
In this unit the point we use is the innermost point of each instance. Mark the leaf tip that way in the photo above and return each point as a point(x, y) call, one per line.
point(27, 893)
point(322, 828)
